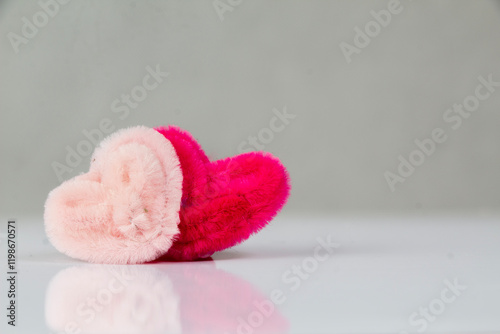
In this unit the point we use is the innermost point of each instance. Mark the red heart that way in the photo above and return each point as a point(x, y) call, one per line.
point(224, 201)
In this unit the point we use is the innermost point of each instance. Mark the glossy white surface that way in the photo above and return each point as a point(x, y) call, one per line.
point(384, 271)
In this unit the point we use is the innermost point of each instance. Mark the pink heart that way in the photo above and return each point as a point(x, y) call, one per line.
point(225, 201)
point(126, 208)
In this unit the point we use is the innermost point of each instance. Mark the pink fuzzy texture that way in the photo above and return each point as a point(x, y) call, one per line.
point(126, 208)
point(225, 201)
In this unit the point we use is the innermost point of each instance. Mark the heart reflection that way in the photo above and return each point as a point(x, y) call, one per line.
point(191, 297)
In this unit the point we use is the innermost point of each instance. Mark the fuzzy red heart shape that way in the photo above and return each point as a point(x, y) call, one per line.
point(223, 201)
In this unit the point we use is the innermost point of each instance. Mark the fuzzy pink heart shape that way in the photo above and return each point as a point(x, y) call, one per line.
point(224, 202)
point(126, 208)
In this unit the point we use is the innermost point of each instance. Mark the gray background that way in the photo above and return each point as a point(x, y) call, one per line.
point(352, 121)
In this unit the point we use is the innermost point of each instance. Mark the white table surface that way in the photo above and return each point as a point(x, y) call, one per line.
point(384, 271)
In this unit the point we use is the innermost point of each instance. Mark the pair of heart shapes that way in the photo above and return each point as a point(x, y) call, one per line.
point(154, 194)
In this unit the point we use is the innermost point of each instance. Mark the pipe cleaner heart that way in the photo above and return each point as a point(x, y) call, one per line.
point(225, 201)
point(126, 208)
point(151, 194)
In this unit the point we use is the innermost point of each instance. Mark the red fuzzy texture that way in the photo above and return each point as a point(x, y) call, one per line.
point(224, 201)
